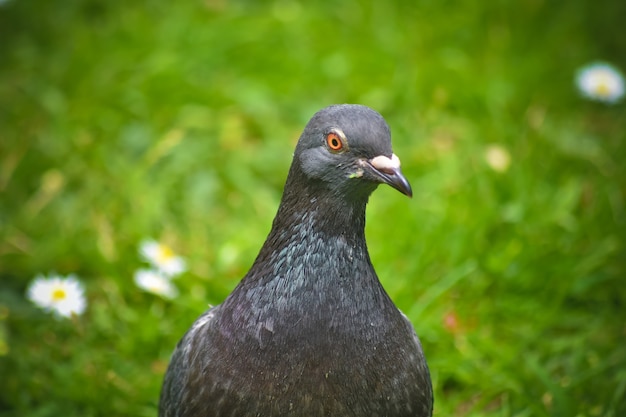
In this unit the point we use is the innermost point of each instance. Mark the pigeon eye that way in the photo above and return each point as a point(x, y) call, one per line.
point(334, 142)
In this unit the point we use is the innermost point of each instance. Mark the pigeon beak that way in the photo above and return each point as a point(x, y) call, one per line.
point(388, 171)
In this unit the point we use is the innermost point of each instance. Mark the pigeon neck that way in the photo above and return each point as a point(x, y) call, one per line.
point(315, 259)
point(315, 230)
point(312, 211)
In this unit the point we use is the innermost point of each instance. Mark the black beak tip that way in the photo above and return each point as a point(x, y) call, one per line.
point(408, 191)
point(397, 180)
point(403, 186)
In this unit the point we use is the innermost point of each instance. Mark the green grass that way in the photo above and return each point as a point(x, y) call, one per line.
point(121, 121)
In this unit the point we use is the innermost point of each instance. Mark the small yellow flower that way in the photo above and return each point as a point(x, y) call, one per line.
point(62, 296)
point(498, 158)
point(155, 282)
point(601, 82)
point(162, 257)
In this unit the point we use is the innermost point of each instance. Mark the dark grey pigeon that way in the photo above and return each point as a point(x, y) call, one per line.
point(310, 331)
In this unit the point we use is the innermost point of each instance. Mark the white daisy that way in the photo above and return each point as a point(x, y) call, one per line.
point(162, 258)
point(63, 296)
point(601, 82)
point(498, 158)
point(155, 282)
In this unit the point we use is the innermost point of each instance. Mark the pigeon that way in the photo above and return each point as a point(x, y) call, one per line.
point(310, 331)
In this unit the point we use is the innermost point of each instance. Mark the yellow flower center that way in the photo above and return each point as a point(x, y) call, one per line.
point(59, 294)
point(603, 86)
point(603, 89)
point(165, 253)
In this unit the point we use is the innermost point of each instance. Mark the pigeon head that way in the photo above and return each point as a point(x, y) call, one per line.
point(346, 149)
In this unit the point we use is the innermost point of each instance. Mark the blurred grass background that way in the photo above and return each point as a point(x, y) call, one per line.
point(121, 121)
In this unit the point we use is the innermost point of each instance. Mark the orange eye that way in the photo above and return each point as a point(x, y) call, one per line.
point(334, 142)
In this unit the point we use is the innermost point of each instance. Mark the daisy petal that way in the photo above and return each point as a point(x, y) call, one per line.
point(155, 283)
